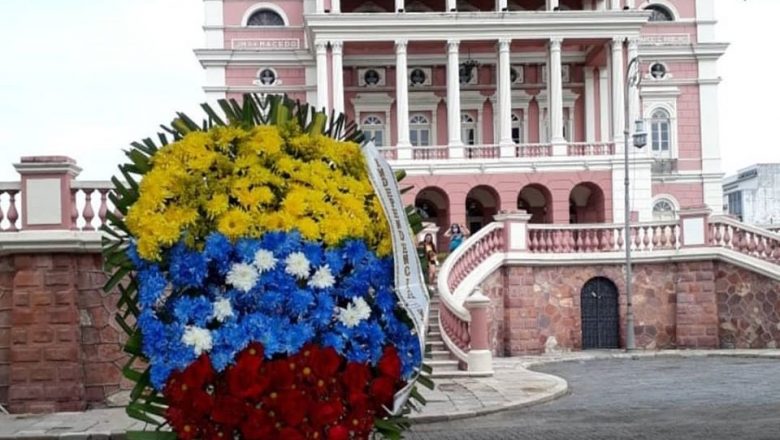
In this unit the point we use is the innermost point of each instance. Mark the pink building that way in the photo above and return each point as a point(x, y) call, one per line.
point(474, 120)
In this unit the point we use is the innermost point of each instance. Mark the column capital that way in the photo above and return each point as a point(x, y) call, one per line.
point(555, 42)
point(453, 45)
point(336, 45)
point(617, 42)
point(401, 44)
point(321, 45)
point(634, 42)
point(503, 43)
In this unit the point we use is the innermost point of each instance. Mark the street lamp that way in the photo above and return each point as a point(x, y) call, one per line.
point(640, 140)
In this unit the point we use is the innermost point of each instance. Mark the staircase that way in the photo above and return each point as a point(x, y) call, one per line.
point(439, 357)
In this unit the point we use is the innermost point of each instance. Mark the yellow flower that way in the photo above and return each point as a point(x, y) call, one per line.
point(234, 223)
point(217, 205)
point(308, 228)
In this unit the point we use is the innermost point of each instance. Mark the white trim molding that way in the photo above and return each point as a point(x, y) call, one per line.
point(264, 5)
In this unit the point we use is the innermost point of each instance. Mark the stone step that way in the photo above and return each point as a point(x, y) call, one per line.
point(440, 355)
point(436, 345)
point(435, 334)
point(443, 365)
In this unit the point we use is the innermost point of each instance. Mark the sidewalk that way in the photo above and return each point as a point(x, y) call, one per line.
point(512, 386)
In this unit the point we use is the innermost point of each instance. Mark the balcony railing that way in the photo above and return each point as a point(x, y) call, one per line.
point(492, 151)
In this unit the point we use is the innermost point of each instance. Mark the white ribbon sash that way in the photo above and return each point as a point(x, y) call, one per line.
point(409, 282)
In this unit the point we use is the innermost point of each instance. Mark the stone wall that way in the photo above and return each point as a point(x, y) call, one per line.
point(6, 278)
point(65, 350)
point(748, 308)
point(676, 305)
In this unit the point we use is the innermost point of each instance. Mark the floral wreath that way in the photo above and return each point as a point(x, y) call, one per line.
point(255, 267)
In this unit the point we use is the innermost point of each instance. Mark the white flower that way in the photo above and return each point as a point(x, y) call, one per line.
point(242, 276)
point(197, 338)
point(356, 311)
point(297, 265)
point(264, 260)
point(222, 310)
point(322, 278)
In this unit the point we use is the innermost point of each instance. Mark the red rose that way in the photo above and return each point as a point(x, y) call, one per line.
point(390, 364)
point(325, 413)
point(200, 402)
point(327, 362)
point(246, 380)
point(199, 373)
point(356, 376)
point(258, 426)
point(228, 411)
point(383, 389)
point(358, 401)
point(338, 432)
point(291, 434)
point(293, 406)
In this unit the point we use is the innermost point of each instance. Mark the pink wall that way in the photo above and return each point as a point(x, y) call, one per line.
point(234, 11)
point(244, 76)
point(688, 194)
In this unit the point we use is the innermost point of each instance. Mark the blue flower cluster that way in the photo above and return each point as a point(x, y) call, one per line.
point(190, 290)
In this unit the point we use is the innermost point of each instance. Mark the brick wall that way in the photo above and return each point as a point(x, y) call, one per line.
point(65, 352)
point(6, 278)
point(676, 305)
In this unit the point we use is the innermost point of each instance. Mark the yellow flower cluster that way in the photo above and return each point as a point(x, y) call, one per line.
point(243, 183)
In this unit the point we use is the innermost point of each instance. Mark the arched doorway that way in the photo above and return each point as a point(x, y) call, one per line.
point(536, 200)
point(599, 312)
point(586, 204)
point(433, 205)
point(482, 204)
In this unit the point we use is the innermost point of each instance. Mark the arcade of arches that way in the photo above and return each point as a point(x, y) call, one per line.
point(474, 206)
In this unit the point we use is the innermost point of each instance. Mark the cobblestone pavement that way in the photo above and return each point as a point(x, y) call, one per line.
point(710, 398)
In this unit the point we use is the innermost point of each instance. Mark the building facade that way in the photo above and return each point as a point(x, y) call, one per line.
point(498, 105)
point(753, 195)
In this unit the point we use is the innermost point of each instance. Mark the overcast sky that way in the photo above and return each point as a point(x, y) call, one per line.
point(85, 77)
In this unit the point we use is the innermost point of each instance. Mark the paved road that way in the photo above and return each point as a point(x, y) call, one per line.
point(667, 398)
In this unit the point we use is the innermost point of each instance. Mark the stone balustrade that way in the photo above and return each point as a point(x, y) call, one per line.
point(584, 238)
point(756, 242)
point(488, 151)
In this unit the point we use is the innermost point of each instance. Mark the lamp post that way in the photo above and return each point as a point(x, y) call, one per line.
point(640, 140)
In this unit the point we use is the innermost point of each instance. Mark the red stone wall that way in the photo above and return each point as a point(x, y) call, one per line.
point(748, 308)
point(675, 305)
point(65, 352)
point(6, 278)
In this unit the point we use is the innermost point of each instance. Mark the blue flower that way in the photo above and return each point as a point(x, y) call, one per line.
point(246, 249)
point(195, 310)
point(322, 314)
point(151, 284)
point(295, 336)
point(333, 339)
point(228, 341)
point(132, 253)
point(355, 251)
point(218, 250)
point(298, 302)
point(314, 253)
point(188, 268)
point(385, 300)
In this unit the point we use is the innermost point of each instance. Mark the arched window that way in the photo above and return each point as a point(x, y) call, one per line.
point(663, 210)
point(265, 17)
point(517, 129)
point(660, 131)
point(374, 128)
point(660, 13)
point(419, 130)
point(468, 129)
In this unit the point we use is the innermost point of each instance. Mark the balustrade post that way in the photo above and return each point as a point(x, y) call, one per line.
point(480, 358)
point(46, 191)
point(515, 230)
point(694, 229)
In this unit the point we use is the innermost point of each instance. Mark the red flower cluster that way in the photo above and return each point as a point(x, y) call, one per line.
point(314, 394)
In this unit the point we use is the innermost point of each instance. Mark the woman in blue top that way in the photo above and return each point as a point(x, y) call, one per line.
point(456, 235)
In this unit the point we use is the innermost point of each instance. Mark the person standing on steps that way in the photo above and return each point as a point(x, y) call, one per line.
point(456, 235)
point(431, 256)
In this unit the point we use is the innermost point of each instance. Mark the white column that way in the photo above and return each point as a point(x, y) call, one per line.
point(399, 5)
point(631, 4)
point(590, 104)
point(451, 4)
point(322, 75)
point(618, 83)
point(615, 4)
point(402, 101)
point(555, 103)
point(335, 6)
point(601, 5)
point(319, 6)
point(213, 22)
point(338, 76)
point(604, 107)
point(633, 94)
point(453, 100)
point(500, 5)
point(552, 4)
point(505, 100)
point(705, 21)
